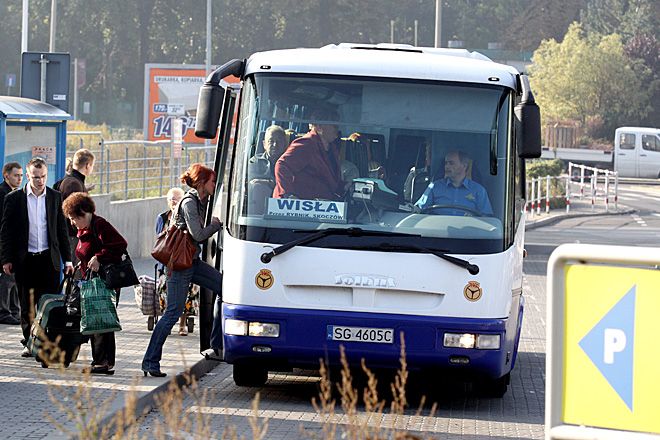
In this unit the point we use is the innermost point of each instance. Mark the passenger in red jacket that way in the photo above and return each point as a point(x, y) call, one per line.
point(310, 167)
point(99, 243)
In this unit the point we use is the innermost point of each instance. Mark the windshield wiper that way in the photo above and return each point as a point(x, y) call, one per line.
point(350, 232)
point(472, 268)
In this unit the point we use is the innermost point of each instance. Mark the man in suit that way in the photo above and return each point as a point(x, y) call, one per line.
point(34, 241)
point(10, 311)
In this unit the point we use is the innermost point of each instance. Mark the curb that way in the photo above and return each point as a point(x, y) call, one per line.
point(148, 401)
point(548, 221)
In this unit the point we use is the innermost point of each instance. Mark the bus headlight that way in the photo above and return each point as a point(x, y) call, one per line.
point(459, 340)
point(471, 340)
point(488, 342)
point(264, 329)
point(236, 327)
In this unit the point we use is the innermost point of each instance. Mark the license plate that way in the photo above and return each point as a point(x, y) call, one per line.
point(361, 334)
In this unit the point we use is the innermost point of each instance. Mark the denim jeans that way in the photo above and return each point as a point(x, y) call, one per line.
point(177, 292)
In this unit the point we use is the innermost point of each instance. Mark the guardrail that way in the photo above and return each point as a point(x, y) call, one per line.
point(130, 169)
point(599, 185)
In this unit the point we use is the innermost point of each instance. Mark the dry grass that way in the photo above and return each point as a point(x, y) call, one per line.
point(361, 415)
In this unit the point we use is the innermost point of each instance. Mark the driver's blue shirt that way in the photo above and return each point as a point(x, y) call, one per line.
point(468, 194)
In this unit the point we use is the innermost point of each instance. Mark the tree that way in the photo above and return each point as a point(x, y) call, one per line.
point(589, 79)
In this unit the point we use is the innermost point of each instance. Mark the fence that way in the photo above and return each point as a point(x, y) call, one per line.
point(130, 169)
point(597, 185)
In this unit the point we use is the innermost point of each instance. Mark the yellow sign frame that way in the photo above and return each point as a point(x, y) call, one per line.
point(585, 283)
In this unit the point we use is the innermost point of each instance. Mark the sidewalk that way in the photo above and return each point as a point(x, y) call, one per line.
point(25, 385)
point(579, 208)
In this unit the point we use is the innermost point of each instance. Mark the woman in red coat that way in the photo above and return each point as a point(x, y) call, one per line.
point(99, 243)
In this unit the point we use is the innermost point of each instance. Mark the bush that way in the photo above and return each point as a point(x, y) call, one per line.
point(542, 168)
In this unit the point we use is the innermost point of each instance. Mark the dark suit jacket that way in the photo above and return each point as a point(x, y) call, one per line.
point(4, 190)
point(15, 230)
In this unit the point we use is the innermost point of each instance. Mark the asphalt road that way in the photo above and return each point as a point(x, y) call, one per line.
point(461, 413)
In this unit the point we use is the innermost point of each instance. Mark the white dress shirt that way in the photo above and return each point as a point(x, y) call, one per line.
point(38, 223)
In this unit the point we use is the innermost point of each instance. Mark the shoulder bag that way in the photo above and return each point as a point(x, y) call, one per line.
point(174, 247)
point(118, 275)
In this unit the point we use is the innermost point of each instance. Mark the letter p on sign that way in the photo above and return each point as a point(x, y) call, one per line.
point(614, 341)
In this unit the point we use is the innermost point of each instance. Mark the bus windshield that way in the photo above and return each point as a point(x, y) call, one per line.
point(424, 159)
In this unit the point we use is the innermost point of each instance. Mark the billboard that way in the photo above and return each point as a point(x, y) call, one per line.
point(170, 92)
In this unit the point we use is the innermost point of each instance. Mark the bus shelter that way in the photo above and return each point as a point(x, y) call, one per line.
point(30, 128)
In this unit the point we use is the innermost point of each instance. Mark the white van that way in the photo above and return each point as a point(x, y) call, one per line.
point(637, 152)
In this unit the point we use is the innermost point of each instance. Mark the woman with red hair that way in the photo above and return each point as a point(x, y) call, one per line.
point(190, 216)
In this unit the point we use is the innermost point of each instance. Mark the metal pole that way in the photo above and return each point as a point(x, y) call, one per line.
point(533, 194)
point(126, 174)
point(568, 193)
point(24, 26)
point(416, 24)
point(547, 194)
point(144, 173)
point(438, 23)
point(102, 162)
point(162, 164)
point(53, 24)
point(607, 191)
point(538, 196)
point(593, 191)
point(616, 190)
point(75, 88)
point(209, 47)
point(43, 61)
point(392, 31)
point(581, 182)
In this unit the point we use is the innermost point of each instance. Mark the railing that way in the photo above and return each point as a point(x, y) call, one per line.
point(130, 169)
point(600, 185)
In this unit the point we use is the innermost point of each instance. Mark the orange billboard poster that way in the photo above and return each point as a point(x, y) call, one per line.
point(171, 92)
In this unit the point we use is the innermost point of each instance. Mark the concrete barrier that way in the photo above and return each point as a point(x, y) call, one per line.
point(134, 219)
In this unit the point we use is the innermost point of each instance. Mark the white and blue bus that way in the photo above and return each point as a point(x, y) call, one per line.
point(304, 275)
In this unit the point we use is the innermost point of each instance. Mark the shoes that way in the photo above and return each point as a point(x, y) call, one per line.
point(214, 354)
point(154, 373)
point(26, 353)
point(23, 342)
point(10, 320)
point(183, 331)
point(99, 369)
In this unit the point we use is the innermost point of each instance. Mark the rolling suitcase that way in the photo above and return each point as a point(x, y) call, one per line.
point(54, 332)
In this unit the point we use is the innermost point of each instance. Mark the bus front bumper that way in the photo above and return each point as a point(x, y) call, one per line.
point(306, 337)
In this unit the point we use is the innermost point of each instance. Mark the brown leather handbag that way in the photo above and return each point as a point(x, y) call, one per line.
point(174, 247)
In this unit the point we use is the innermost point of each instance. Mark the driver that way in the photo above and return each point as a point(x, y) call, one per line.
point(455, 190)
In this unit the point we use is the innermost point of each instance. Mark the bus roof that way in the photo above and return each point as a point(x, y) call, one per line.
point(386, 60)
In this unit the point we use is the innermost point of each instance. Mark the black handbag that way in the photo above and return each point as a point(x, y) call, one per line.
point(71, 291)
point(118, 275)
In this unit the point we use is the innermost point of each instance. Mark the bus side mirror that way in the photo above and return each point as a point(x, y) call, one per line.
point(527, 123)
point(209, 105)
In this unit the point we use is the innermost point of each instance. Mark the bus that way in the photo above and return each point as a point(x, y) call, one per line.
point(330, 245)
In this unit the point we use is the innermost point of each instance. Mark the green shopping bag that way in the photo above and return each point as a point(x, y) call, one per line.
point(99, 314)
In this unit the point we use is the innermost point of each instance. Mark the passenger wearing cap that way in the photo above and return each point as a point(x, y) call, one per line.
point(310, 168)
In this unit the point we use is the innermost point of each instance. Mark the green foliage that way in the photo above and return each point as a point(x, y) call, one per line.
point(584, 77)
point(542, 168)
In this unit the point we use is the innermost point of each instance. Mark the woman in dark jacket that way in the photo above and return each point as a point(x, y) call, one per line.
point(98, 243)
point(190, 216)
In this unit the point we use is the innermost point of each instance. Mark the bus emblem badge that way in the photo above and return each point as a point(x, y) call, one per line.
point(264, 279)
point(472, 291)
